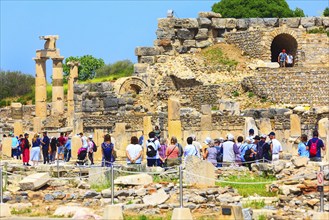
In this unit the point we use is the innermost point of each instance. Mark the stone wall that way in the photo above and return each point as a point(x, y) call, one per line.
point(294, 86)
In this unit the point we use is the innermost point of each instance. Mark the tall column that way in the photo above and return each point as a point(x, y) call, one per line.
point(40, 88)
point(58, 90)
point(70, 92)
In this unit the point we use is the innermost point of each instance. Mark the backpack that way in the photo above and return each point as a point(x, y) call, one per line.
point(180, 148)
point(150, 149)
point(313, 148)
point(107, 151)
point(94, 147)
point(219, 155)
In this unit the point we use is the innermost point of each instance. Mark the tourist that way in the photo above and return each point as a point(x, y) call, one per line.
point(61, 143)
point(90, 149)
point(134, 152)
point(190, 149)
point(251, 133)
point(152, 153)
point(282, 58)
point(45, 147)
point(108, 156)
point(303, 149)
point(210, 153)
point(197, 145)
point(35, 151)
point(83, 140)
point(162, 151)
point(19, 148)
point(315, 145)
point(219, 147)
point(25, 145)
point(53, 149)
point(260, 147)
point(249, 152)
point(275, 145)
point(290, 60)
point(157, 132)
point(3, 136)
point(239, 145)
point(14, 146)
point(141, 139)
point(172, 153)
point(67, 150)
point(230, 150)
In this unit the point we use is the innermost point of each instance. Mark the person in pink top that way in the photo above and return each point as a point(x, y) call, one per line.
point(172, 153)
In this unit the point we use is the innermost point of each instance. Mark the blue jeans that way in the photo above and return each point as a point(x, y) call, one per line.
point(153, 162)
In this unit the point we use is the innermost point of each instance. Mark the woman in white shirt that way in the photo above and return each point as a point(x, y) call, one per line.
point(134, 151)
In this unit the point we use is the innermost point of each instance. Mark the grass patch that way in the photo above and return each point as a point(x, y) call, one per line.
point(148, 217)
point(246, 190)
point(319, 30)
point(235, 93)
point(262, 217)
point(112, 77)
point(254, 204)
point(251, 94)
point(215, 56)
point(101, 186)
point(21, 211)
point(159, 179)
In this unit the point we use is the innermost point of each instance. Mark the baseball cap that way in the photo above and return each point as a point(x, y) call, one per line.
point(208, 140)
point(271, 133)
point(90, 136)
point(263, 136)
point(230, 137)
point(216, 140)
point(26, 134)
point(256, 137)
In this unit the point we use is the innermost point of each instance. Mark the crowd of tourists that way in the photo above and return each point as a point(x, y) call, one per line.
point(160, 151)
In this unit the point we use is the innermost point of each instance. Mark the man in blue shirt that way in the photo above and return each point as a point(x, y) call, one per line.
point(282, 58)
point(319, 146)
point(45, 141)
point(14, 146)
point(67, 151)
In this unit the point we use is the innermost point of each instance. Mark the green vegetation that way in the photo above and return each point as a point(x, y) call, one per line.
point(326, 12)
point(254, 204)
point(148, 217)
point(255, 9)
point(235, 93)
point(215, 56)
point(263, 99)
point(160, 179)
point(319, 30)
point(87, 68)
point(214, 108)
point(262, 217)
point(106, 78)
point(251, 94)
point(101, 186)
point(118, 69)
point(21, 211)
point(246, 190)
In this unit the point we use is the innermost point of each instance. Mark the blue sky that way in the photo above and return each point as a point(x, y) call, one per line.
point(110, 30)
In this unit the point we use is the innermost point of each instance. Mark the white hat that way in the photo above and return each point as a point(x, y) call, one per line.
point(230, 137)
point(90, 136)
point(263, 136)
point(208, 140)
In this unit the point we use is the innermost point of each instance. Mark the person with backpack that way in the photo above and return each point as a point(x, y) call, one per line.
point(53, 149)
point(275, 145)
point(152, 153)
point(108, 155)
point(238, 156)
point(315, 145)
point(303, 149)
point(282, 58)
point(25, 145)
point(67, 149)
point(219, 147)
point(172, 153)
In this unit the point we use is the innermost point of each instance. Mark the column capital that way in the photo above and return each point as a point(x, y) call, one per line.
point(40, 59)
point(73, 63)
point(58, 59)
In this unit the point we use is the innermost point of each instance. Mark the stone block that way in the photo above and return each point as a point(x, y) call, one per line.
point(307, 22)
point(203, 43)
point(75, 145)
point(218, 23)
point(185, 34)
point(146, 51)
point(242, 23)
point(202, 34)
point(165, 33)
point(6, 146)
point(325, 21)
point(34, 181)
point(320, 216)
point(140, 67)
point(209, 14)
point(4, 210)
point(300, 161)
point(181, 213)
point(37, 124)
point(161, 58)
point(147, 59)
point(195, 169)
point(167, 23)
point(156, 198)
point(231, 23)
point(249, 123)
point(16, 110)
point(265, 126)
point(271, 22)
point(290, 22)
point(295, 126)
point(165, 42)
point(189, 43)
point(98, 138)
point(109, 102)
point(256, 22)
point(173, 109)
point(206, 109)
point(134, 180)
point(318, 21)
point(323, 127)
point(121, 136)
point(204, 22)
point(175, 129)
point(18, 128)
point(206, 124)
point(113, 212)
point(189, 23)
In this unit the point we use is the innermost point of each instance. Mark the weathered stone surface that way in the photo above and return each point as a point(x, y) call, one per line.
point(256, 22)
point(295, 124)
point(147, 59)
point(242, 23)
point(202, 34)
point(249, 123)
point(68, 211)
point(218, 22)
point(203, 44)
point(323, 127)
point(204, 22)
point(146, 51)
point(173, 108)
point(209, 15)
point(138, 179)
point(271, 22)
point(156, 198)
point(325, 21)
point(300, 161)
point(290, 22)
point(196, 169)
point(140, 67)
point(34, 181)
point(165, 33)
point(231, 23)
point(189, 43)
point(307, 22)
point(185, 34)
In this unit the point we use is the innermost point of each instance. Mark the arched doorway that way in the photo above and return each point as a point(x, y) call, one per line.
point(283, 41)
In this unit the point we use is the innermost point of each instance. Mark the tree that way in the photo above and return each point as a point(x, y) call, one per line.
point(87, 68)
point(120, 68)
point(298, 12)
point(15, 83)
point(255, 9)
point(326, 12)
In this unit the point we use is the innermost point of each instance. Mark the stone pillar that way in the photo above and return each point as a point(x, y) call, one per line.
point(18, 127)
point(37, 124)
point(98, 139)
point(174, 123)
point(57, 90)
point(323, 126)
point(147, 128)
point(16, 110)
point(248, 124)
point(121, 139)
point(6, 146)
point(295, 127)
point(265, 126)
point(75, 145)
point(70, 92)
point(40, 88)
point(77, 123)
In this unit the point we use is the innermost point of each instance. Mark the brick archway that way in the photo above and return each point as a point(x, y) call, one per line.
point(132, 84)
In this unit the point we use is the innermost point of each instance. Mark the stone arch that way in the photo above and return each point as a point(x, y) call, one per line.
point(281, 39)
point(130, 84)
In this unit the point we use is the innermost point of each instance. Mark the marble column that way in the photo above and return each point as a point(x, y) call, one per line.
point(71, 80)
point(40, 88)
point(57, 90)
